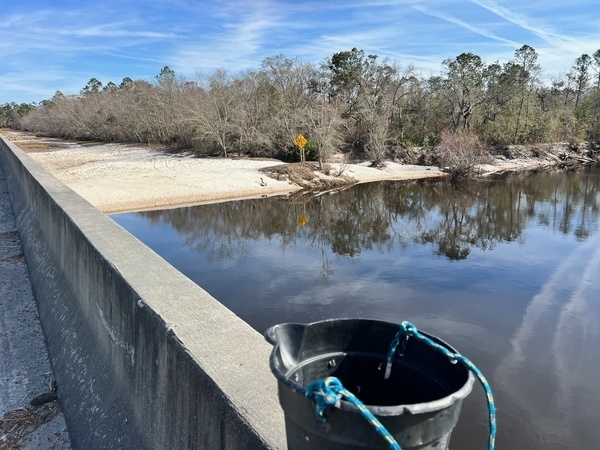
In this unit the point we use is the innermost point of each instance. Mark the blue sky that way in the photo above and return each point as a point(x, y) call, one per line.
point(49, 45)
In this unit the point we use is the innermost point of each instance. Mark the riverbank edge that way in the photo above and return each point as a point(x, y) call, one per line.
point(120, 178)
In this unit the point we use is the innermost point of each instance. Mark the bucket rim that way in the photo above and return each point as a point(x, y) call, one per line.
point(378, 410)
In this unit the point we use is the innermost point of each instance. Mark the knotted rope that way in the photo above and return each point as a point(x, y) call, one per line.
point(329, 392)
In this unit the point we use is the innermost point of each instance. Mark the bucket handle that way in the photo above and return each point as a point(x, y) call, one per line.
point(408, 330)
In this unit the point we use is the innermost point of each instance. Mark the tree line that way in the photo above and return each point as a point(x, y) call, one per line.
point(11, 113)
point(351, 100)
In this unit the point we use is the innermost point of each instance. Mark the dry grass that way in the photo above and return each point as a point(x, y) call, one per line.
point(17, 424)
point(295, 172)
point(307, 175)
point(460, 154)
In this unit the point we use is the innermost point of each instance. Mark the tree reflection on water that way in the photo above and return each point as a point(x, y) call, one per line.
point(452, 219)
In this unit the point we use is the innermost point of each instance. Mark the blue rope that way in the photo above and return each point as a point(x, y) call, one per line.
point(407, 330)
point(329, 392)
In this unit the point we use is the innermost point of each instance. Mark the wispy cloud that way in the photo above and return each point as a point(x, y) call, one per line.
point(237, 41)
point(557, 50)
point(113, 31)
point(11, 21)
point(37, 83)
point(527, 23)
point(481, 31)
point(137, 38)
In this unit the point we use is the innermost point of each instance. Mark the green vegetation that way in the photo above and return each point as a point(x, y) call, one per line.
point(351, 101)
point(12, 113)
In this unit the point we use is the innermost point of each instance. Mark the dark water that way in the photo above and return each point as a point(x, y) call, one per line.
point(507, 271)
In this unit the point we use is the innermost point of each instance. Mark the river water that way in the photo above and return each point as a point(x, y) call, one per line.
point(506, 270)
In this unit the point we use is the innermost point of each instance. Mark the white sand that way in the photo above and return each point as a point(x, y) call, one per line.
point(119, 177)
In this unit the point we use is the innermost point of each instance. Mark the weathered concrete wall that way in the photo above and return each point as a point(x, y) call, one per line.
point(144, 358)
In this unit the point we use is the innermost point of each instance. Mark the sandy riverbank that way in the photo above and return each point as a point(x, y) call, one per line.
point(122, 177)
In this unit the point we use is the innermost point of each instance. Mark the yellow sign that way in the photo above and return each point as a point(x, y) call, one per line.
point(302, 220)
point(300, 141)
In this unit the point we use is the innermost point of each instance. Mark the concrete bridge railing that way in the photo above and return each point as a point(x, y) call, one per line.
point(143, 357)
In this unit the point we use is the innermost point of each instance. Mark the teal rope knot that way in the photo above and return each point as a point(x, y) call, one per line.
point(329, 392)
point(325, 393)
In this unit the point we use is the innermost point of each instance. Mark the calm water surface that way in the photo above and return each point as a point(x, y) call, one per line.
point(507, 271)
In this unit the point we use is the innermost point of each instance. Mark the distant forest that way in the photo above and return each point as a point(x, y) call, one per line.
point(350, 101)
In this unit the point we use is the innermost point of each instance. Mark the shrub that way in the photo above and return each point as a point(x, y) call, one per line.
point(291, 153)
point(460, 154)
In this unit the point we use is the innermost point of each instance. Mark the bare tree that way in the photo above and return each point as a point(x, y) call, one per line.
point(256, 104)
point(289, 79)
point(460, 153)
point(323, 122)
point(213, 111)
